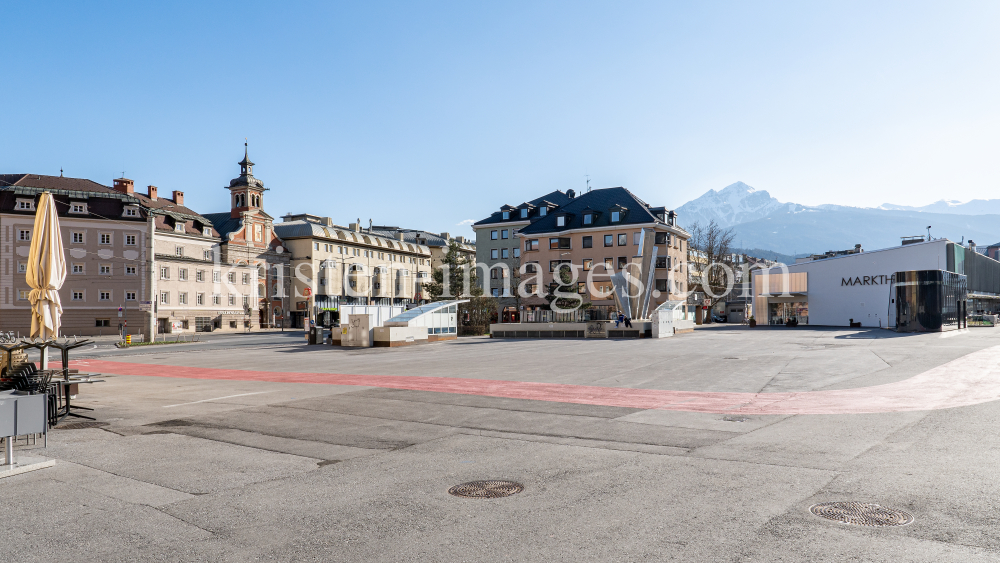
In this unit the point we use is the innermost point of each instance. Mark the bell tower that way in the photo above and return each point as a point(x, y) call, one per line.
point(246, 192)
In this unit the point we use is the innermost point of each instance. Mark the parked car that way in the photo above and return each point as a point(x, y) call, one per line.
point(719, 318)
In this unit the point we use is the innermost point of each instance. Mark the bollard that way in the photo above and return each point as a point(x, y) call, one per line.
point(9, 441)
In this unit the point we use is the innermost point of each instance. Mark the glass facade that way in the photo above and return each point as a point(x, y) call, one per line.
point(781, 313)
point(930, 301)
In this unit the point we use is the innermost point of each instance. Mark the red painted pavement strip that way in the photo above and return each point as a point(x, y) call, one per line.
point(969, 380)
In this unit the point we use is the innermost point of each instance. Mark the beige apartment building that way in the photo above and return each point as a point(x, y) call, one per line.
point(379, 270)
point(437, 243)
point(106, 240)
point(599, 233)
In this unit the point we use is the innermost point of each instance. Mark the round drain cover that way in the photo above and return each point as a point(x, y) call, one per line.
point(486, 489)
point(861, 514)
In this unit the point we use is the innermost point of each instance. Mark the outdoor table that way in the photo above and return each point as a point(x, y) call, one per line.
point(65, 347)
point(64, 393)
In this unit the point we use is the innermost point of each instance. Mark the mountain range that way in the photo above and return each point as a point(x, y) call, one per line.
point(761, 221)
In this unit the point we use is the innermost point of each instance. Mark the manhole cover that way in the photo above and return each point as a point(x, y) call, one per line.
point(486, 489)
point(861, 514)
point(81, 425)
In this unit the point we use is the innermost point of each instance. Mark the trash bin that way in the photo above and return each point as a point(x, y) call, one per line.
point(316, 335)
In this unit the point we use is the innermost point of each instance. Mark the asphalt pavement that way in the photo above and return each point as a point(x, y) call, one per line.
point(258, 447)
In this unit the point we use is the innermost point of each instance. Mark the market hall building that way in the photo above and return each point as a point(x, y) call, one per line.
point(920, 285)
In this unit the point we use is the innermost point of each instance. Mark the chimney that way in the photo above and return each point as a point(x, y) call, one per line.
point(327, 221)
point(356, 227)
point(125, 186)
point(178, 197)
point(399, 235)
point(461, 240)
point(446, 236)
point(152, 193)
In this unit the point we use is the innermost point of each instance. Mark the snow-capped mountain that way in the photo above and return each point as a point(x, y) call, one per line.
point(736, 203)
point(974, 207)
point(761, 221)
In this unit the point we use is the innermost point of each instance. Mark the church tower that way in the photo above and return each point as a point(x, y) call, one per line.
point(247, 192)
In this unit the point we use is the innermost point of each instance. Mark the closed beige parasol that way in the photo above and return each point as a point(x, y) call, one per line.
point(46, 270)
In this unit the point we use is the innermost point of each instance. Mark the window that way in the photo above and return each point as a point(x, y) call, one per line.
point(129, 296)
point(77, 207)
point(77, 296)
point(496, 273)
point(553, 264)
point(164, 273)
point(531, 244)
point(662, 238)
point(609, 240)
point(22, 267)
point(199, 275)
point(129, 240)
point(24, 235)
point(503, 234)
point(581, 287)
point(179, 227)
point(178, 251)
point(524, 213)
point(164, 298)
point(493, 254)
point(493, 235)
point(558, 243)
point(517, 252)
point(543, 211)
point(26, 204)
point(207, 231)
point(616, 216)
point(258, 232)
point(231, 276)
point(105, 238)
point(316, 246)
point(77, 238)
point(636, 238)
point(129, 270)
point(102, 322)
point(588, 219)
point(131, 212)
point(561, 221)
point(588, 263)
point(661, 261)
point(105, 269)
point(506, 215)
point(588, 242)
point(182, 274)
point(206, 254)
point(495, 292)
point(79, 269)
point(661, 285)
point(22, 294)
point(609, 263)
point(246, 279)
point(199, 299)
point(622, 239)
point(530, 287)
point(104, 296)
point(246, 300)
point(215, 276)
point(530, 268)
point(622, 261)
point(216, 299)
point(182, 298)
point(232, 299)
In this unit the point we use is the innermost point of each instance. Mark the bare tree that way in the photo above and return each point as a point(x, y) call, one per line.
point(713, 245)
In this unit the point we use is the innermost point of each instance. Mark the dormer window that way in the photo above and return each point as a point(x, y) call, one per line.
point(130, 211)
point(588, 219)
point(76, 207)
point(616, 216)
point(561, 221)
point(506, 215)
point(207, 231)
point(179, 227)
point(543, 211)
point(25, 205)
point(524, 213)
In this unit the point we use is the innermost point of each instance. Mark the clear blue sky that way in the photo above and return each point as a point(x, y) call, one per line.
point(427, 114)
